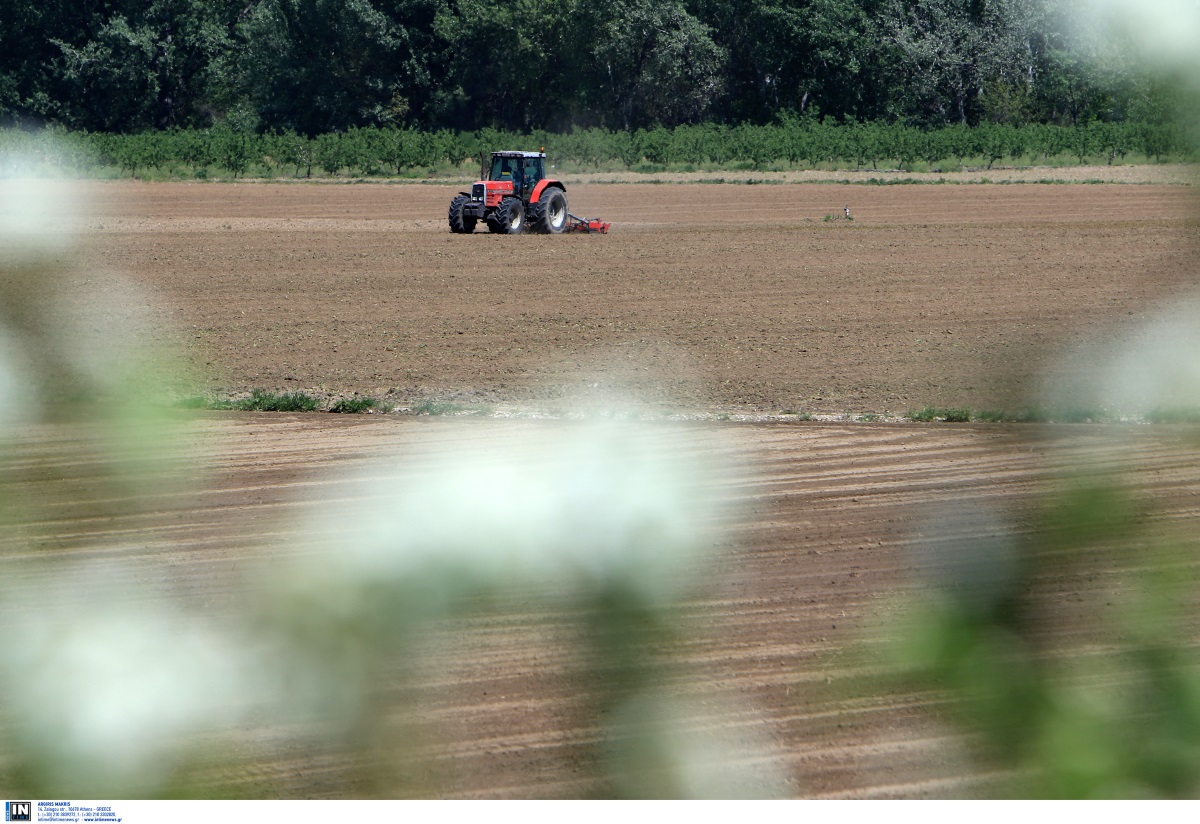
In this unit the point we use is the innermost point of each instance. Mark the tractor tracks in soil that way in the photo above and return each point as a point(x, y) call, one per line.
point(782, 633)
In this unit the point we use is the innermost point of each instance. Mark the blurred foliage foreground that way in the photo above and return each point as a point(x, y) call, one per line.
point(113, 687)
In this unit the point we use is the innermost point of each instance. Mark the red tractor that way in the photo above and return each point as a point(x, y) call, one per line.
point(514, 194)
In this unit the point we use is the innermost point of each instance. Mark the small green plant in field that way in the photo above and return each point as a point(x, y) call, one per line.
point(1020, 416)
point(1174, 415)
point(262, 401)
point(354, 406)
point(869, 417)
point(194, 402)
point(1036, 415)
point(1078, 415)
point(444, 408)
point(932, 413)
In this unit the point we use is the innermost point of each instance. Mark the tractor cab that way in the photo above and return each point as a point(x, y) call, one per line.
point(524, 170)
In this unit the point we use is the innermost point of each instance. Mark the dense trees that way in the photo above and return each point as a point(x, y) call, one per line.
point(114, 64)
point(317, 66)
point(323, 65)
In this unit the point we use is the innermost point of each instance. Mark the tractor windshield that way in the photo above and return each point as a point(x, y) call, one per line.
point(503, 168)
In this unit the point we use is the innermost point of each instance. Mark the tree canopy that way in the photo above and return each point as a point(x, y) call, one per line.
point(317, 66)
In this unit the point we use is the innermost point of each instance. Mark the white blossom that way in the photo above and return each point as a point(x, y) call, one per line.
point(36, 219)
point(577, 504)
point(104, 687)
point(1166, 30)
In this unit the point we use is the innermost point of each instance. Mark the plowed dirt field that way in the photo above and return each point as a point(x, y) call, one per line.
point(705, 298)
point(727, 298)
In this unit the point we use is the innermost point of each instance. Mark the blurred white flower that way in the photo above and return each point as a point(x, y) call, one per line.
point(1166, 30)
point(18, 391)
point(103, 687)
point(581, 505)
point(37, 218)
point(1136, 371)
point(110, 327)
point(1158, 367)
point(665, 746)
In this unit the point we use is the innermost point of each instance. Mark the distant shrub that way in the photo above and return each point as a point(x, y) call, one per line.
point(261, 401)
point(354, 406)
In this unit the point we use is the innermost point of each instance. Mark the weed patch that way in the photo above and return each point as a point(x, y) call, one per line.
point(932, 413)
point(355, 406)
point(1174, 415)
point(262, 401)
point(444, 408)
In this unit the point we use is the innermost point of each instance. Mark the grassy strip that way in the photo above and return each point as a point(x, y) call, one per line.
point(357, 406)
point(445, 408)
point(263, 401)
point(930, 413)
point(1042, 415)
point(259, 401)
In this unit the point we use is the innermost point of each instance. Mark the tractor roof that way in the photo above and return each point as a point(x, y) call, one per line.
point(518, 154)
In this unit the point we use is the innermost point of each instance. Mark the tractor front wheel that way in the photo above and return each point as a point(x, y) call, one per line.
point(550, 212)
point(509, 217)
point(460, 224)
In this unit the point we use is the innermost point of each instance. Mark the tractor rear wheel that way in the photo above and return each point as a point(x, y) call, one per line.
point(550, 212)
point(509, 217)
point(459, 223)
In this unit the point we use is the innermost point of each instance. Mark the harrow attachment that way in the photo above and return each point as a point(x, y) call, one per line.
point(587, 225)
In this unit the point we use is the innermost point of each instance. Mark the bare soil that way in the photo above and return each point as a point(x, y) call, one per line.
point(704, 297)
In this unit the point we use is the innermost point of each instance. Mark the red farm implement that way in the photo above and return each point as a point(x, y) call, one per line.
point(587, 225)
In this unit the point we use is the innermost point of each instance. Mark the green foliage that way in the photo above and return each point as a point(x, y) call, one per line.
point(1059, 722)
point(372, 151)
point(1044, 415)
point(355, 405)
point(313, 67)
point(930, 413)
point(1174, 415)
point(428, 407)
point(194, 402)
point(263, 401)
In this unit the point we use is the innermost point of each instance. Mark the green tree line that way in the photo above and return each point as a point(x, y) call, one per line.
point(318, 66)
point(790, 143)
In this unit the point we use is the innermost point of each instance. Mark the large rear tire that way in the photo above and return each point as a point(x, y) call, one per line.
point(460, 224)
point(550, 212)
point(508, 218)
